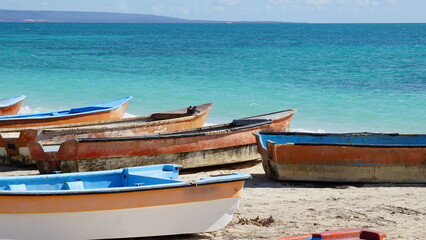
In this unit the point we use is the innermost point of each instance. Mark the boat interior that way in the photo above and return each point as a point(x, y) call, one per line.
point(73, 111)
point(128, 122)
point(236, 125)
point(10, 101)
point(109, 181)
point(120, 178)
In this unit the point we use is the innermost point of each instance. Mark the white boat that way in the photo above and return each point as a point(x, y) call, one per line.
point(123, 203)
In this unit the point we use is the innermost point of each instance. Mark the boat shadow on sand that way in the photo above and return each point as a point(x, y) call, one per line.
point(260, 180)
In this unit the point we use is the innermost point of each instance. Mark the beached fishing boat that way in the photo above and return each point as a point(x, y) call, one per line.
point(13, 142)
point(346, 157)
point(198, 147)
point(10, 106)
point(98, 112)
point(122, 203)
point(343, 234)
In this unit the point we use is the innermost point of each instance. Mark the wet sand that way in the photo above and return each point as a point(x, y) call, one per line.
point(270, 209)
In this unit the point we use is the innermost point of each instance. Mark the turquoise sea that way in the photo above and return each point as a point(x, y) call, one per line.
point(340, 77)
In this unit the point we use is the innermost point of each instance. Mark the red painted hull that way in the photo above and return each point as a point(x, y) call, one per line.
point(15, 147)
point(11, 109)
point(395, 163)
point(114, 114)
point(191, 148)
point(344, 234)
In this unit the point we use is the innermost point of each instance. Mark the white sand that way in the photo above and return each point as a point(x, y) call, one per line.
point(270, 209)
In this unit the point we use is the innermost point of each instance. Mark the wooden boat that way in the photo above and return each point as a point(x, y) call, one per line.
point(347, 157)
point(10, 106)
point(198, 147)
point(343, 234)
point(99, 112)
point(123, 203)
point(13, 142)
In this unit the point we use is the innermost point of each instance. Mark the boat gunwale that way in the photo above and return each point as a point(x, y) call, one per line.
point(222, 129)
point(238, 177)
point(339, 134)
point(11, 101)
point(283, 112)
point(104, 125)
point(106, 109)
point(77, 126)
point(355, 134)
point(352, 145)
point(201, 131)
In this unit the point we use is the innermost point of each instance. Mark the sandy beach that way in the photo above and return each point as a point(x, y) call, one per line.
point(270, 209)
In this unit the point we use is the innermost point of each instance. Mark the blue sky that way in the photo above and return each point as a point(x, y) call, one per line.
point(314, 11)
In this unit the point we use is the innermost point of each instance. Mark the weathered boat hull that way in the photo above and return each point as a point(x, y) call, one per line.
point(295, 160)
point(13, 144)
point(195, 159)
point(16, 121)
point(11, 106)
point(89, 117)
point(164, 208)
point(343, 234)
point(193, 148)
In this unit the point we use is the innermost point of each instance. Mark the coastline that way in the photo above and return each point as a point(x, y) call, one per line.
point(271, 209)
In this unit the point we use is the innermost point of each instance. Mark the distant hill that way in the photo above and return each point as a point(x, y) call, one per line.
point(87, 17)
point(97, 17)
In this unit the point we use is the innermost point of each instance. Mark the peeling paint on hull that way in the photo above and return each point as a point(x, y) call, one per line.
point(15, 143)
point(345, 173)
point(192, 148)
point(351, 157)
point(194, 159)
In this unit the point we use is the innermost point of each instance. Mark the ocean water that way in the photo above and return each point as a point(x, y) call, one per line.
point(340, 77)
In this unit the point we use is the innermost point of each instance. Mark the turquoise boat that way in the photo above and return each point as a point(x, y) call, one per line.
point(10, 106)
point(122, 203)
point(111, 110)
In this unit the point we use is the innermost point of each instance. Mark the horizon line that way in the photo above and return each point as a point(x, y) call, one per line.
point(201, 21)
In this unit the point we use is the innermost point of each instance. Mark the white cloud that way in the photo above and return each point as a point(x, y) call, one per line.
point(367, 3)
point(158, 9)
point(122, 6)
point(278, 2)
point(184, 10)
point(393, 2)
point(318, 2)
point(42, 5)
point(219, 9)
point(230, 2)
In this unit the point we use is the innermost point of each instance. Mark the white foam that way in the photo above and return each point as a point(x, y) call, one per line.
point(128, 115)
point(27, 109)
point(306, 130)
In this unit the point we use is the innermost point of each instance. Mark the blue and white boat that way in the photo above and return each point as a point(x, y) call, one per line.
point(10, 106)
point(111, 110)
point(130, 202)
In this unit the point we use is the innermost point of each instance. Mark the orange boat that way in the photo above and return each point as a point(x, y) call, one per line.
point(345, 157)
point(111, 110)
point(199, 147)
point(344, 234)
point(10, 106)
point(13, 142)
